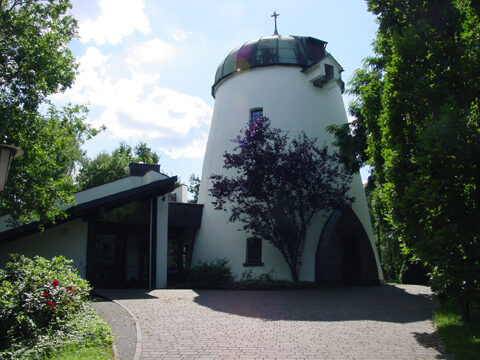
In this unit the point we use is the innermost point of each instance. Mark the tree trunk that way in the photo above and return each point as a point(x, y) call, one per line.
point(293, 271)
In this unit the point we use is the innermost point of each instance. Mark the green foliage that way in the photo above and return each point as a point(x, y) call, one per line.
point(213, 275)
point(35, 59)
point(350, 138)
point(387, 240)
point(83, 336)
point(87, 337)
point(109, 167)
point(42, 177)
point(143, 154)
point(80, 352)
point(36, 62)
point(194, 187)
point(267, 282)
point(37, 297)
point(417, 101)
point(461, 340)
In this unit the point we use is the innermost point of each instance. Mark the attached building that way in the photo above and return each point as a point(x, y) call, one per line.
point(117, 234)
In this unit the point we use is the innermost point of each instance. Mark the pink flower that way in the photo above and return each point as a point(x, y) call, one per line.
point(45, 294)
point(51, 304)
point(55, 283)
point(70, 288)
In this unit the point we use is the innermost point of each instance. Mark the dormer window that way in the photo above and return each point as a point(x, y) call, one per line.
point(328, 72)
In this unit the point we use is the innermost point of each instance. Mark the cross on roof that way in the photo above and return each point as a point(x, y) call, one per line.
point(275, 15)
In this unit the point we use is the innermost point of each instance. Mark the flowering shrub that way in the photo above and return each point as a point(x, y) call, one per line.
point(37, 296)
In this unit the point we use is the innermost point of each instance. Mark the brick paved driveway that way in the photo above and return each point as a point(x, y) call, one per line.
point(382, 322)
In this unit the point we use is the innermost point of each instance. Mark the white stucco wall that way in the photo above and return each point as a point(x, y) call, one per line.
point(292, 103)
point(181, 194)
point(69, 240)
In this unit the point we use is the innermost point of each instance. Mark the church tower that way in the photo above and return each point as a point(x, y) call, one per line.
point(296, 83)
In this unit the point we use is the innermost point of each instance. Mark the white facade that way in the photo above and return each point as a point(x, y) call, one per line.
point(290, 100)
point(69, 240)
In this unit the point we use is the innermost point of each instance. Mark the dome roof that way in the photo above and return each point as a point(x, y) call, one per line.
point(271, 50)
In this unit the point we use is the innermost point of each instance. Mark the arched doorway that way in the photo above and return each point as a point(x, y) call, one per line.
point(344, 254)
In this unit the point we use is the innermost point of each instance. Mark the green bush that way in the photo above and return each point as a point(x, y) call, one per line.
point(267, 282)
point(37, 298)
point(84, 332)
point(216, 274)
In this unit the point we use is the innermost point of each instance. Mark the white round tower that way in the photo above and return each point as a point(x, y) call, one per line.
point(296, 83)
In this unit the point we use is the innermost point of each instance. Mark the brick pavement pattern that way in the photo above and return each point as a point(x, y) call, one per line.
point(380, 322)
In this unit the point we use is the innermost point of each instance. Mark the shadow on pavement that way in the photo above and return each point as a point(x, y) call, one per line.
point(380, 303)
point(429, 340)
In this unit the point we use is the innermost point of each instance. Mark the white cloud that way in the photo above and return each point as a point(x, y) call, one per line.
point(116, 20)
point(163, 113)
point(135, 107)
point(180, 35)
point(152, 52)
point(91, 77)
point(196, 149)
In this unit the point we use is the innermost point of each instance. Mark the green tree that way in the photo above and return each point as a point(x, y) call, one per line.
point(107, 167)
point(386, 239)
point(35, 62)
point(194, 187)
point(418, 102)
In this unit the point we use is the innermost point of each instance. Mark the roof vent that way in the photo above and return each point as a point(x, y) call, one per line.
point(138, 169)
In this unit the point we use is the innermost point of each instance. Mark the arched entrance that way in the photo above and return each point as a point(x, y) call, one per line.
point(344, 254)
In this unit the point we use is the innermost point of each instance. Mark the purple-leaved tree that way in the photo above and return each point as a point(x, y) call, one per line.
point(279, 186)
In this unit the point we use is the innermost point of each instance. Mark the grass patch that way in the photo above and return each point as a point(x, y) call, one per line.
point(462, 340)
point(80, 352)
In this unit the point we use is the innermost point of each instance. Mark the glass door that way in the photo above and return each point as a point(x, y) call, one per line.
point(122, 247)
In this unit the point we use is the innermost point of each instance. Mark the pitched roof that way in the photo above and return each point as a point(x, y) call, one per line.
point(151, 189)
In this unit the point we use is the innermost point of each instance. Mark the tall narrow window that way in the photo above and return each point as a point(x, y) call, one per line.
point(328, 72)
point(255, 114)
point(254, 252)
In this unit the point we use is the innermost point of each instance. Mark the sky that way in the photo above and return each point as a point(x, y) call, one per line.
point(146, 67)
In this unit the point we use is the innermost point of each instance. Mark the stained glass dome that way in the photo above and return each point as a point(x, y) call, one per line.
point(271, 50)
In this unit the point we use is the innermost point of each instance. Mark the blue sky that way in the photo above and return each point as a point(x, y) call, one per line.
point(147, 66)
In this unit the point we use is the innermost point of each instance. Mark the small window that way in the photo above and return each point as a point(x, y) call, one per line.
point(255, 114)
point(254, 252)
point(328, 72)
